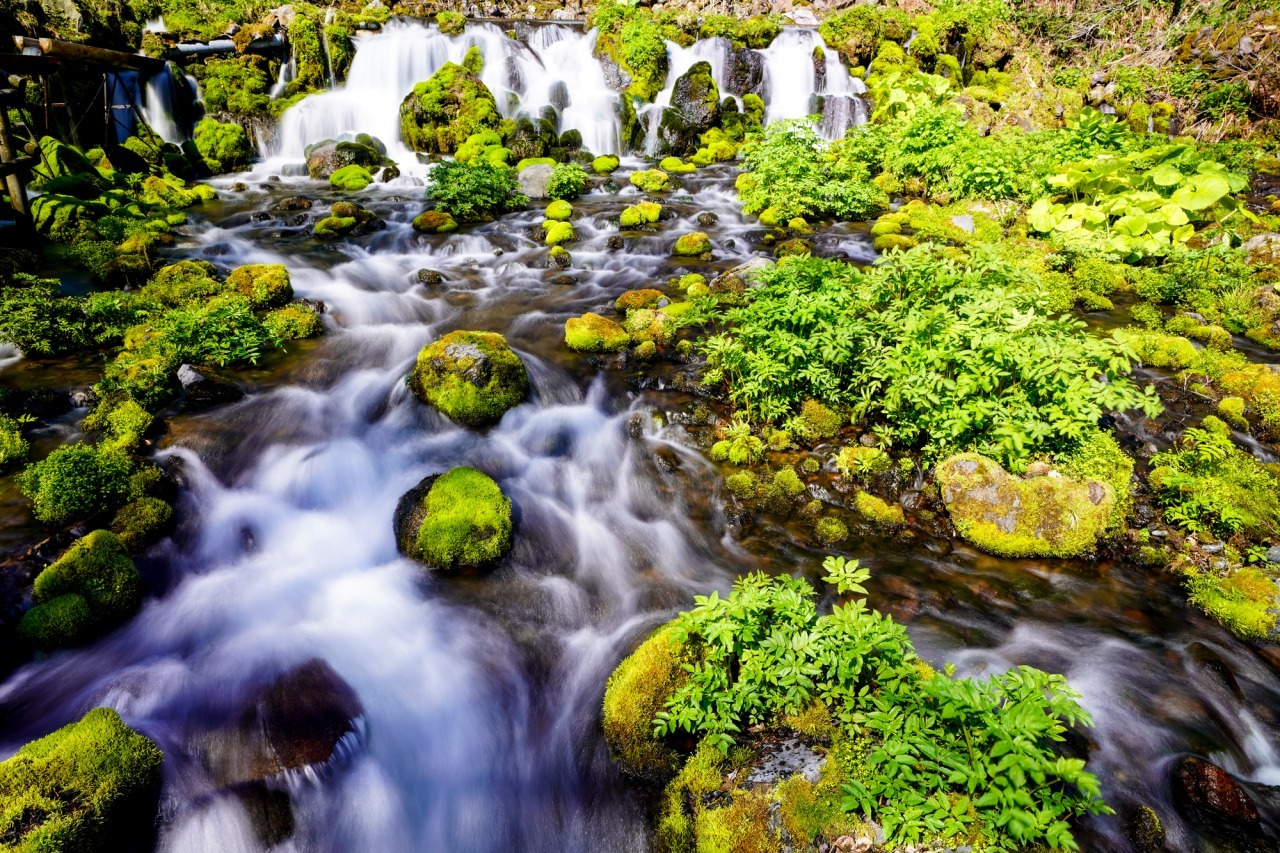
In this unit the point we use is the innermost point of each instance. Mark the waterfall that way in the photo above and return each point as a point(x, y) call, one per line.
point(288, 71)
point(159, 106)
point(792, 81)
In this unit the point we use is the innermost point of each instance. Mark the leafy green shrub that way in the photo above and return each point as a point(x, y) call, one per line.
point(13, 447)
point(794, 172)
point(930, 351)
point(38, 320)
point(223, 332)
point(1207, 484)
point(223, 147)
point(945, 756)
point(474, 192)
point(91, 785)
point(76, 481)
point(568, 181)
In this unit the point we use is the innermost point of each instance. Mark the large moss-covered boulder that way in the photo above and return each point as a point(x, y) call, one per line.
point(89, 786)
point(224, 147)
point(592, 333)
point(472, 377)
point(697, 97)
point(457, 520)
point(264, 285)
point(440, 113)
point(183, 282)
point(330, 155)
point(636, 691)
point(1045, 516)
point(93, 587)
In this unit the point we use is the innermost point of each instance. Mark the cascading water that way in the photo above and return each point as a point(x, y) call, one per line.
point(794, 84)
point(160, 106)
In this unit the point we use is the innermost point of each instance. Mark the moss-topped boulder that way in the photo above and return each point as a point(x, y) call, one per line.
point(636, 691)
point(142, 522)
point(457, 520)
point(651, 181)
point(1046, 516)
point(605, 164)
point(183, 282)
point(224, 147)
point(264, 285)
point(441, 113)
point(93, 587)
point(557, 232)
point(692, 245)
point(647, 297)
point(639, 215)
point(351, 178)
point(559, 210)
point(89, 786)
point(434, 222)
point(594, 334)
point(345, 219)
point(471, 377)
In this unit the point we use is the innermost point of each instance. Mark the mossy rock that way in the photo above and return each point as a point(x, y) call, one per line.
point(1047, 516)
point(471, 377)
point(351, 178)
point(890, 242)
point(453, 521)
point(89, 786)
point(183, 282)
point(676, 166)
point(647, 324)
point(141, 523)
point(636, 691)
point(264, 285)
point(451, 23)
point(558, 232)
point(605, 164)
point(294, 322)
point(651, 181)
point(441, 113)
point(559, 210)
point(592, 333)
point(93, 587)
point(692, 245)
point(334, 227)
point(645, 298)
point(876, 510)
point(434, 222)
point(224, 147)
point(639, 215)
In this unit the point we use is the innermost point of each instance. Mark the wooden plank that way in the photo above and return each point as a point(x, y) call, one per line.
point(17, 167)
point(26, 65)
point(70, 51)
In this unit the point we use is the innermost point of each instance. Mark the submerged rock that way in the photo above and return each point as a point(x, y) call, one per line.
point(203, 388)
point(1209, 796)
point(1049, 516)
point(471, 377)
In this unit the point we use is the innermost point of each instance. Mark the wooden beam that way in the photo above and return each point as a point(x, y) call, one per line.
point(70, 51)
point(19, 166)
point(28, 66)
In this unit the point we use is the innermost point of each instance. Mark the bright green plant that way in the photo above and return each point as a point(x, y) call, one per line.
point(931, 352)
point(899, 95)
point(568, 181)
point(739, 445)
point(474, 192)
point(76, 481)
point(946, 755)
point(222, 332)
point(38, 320)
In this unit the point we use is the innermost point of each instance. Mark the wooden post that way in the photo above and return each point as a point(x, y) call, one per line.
point(13, 182)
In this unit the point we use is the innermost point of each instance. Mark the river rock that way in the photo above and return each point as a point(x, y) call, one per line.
point(534, 180)
point(1209, 796)
point(291, 204)
point(471, 377)
point(744, 72)
point(325, 158)
point(203, 388)
point(1049, 516)
point(697, 97)
point(736, 280)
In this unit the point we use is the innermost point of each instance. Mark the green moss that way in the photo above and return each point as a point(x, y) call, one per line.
point(639, 215)
point(650, 180)
point(89, 786)
point(125, 423)
point(76, 481)
point(857, 461)
point(676, 166)
point(692, 245)
point(13, 447)
point(468, 522)
point(441, 113)
point(741, 826)
point(97, 570)
point(636, 691)
point(815, 421)
point(876, 510)
point(471, 377)
point(451, 23)
point(1038, 517)
point(890, 242)
point(223, 147)
point(831, 531)
point(1231, 409)
point(184, 282)
point(1245, 601)
point(294, 322)
point(558, 232)
point(605, 164)
point(1099, 457)
point(592, 333)
point(351, 178)
point(646, 324)
point(559, 210)
point(645, 298)
point(434, 222)
point(534, 161)
point(885, 225)
point(141, 523)
point(264, 285)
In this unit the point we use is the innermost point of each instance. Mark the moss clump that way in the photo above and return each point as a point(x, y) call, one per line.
point(88, 786)
point(636, 691)
point(467, 523)
point(1231, 410)
point(1049, 516)
point(647, 324)
point(1099, 457)
point(858, 461)
point(558, 232)
point(264, 285)
point(441, 113)
point(815, 421)
point(605, 164)
point(692, 245)
point(831, 531)
point(876, 510)
point(183, 282)
point(141, 523)
point(651, 181)
point(633, 299)
point(352, 178)
point(559, 210)
point(471, 377)
point(223, 147)
point(1245, 601)
point(638, 215)
point(434, 222)
point(592, 333)
point(93, 587)
point(676, 166)
point(451, 23)
point(76, 481)
point(890, 242)
point(293, 322)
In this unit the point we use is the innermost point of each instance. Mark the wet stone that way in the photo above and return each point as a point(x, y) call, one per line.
point(784, 759)
point(1209, 796)
point(426, 276)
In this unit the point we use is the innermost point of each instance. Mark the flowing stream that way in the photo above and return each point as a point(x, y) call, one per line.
point(480, 695)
